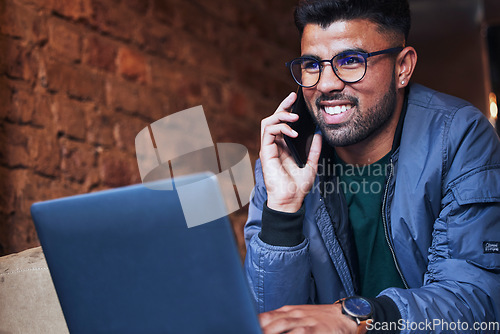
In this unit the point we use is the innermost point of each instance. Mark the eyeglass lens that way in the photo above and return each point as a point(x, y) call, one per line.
point(349, 67)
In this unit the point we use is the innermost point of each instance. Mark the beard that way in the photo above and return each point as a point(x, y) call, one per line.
point(363, 124)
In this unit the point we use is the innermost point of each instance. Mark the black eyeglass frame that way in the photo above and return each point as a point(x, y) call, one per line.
point(365, 55)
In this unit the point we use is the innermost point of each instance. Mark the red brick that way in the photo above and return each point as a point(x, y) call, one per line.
point(75, 80)
point(166, 73)
point(100, 52)
point(199, 54)
point(238, 104)
point(42, 188)
point(72, 107)
point(125, 130)
point(45, 152)
point(23, 234)
point(139, 6)
point(113, 18)
point(74, 9)
point(157, 38)
point(19, 207)
point(17, 234)
point(92, 181)
point(36, 4)
point(17, 60)
point(118, 168)
point(189, 89)
point(132, 65)
point(213, 91)
point(14, 152)
point(100, 123)
point(183, 86)
point(122, 95)
point(5, 97)
point(7, 191)
point(43, 116)
point(77, 159)
point(259, 80)
point(219, 10)
point(157, 104)
point(70, 116)
point(20, 21)
point(20, 178)
point(193, 19)
point(21, 104)
point(4, 43)
point(64, 39)
point(164, 11)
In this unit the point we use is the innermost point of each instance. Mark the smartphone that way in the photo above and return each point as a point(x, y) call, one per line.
point(305, 126)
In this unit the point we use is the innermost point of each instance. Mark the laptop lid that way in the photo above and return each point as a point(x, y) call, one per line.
point(125, 261)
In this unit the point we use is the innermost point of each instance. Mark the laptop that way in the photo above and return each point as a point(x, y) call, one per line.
point(125, 261)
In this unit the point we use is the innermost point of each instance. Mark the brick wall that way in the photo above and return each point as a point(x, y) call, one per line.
point(79, 79)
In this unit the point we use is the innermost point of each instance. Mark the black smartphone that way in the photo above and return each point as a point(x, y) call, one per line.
point(305, 126)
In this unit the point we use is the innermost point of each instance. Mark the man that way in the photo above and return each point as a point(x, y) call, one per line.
point(418, 253)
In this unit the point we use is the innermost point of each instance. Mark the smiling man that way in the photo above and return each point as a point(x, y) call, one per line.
point(336, 247)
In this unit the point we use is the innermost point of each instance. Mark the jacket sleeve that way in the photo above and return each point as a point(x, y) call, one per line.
point(277, 275)
point(461, 291)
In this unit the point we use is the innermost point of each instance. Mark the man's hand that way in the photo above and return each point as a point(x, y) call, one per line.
point(326, 319)
point(287, 184)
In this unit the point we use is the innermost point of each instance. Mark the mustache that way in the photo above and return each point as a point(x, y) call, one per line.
point(336, 97)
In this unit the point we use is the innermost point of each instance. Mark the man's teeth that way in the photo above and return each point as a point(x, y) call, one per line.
point(337, 109)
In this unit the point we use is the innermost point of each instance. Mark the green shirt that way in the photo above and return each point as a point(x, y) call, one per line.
point(363, 187)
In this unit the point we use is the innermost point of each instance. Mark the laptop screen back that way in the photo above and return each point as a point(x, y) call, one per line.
point(124, 261)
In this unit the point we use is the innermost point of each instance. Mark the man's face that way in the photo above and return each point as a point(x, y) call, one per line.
point(351, 113)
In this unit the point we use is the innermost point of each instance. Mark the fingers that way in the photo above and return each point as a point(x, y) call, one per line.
point(275, 126)
point(284, 320)
point(282, 114)
point(288, 102)
point(275, 130)
point(314, 152)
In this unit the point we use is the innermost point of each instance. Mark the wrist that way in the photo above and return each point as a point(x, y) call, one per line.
point(346, 323)
point(283, 205)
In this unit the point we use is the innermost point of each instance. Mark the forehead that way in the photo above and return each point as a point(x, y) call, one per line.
point(343, 35)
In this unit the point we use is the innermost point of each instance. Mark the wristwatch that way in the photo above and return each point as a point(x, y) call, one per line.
point(358, 309)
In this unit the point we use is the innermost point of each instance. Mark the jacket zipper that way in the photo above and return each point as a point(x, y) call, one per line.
point(386, 228)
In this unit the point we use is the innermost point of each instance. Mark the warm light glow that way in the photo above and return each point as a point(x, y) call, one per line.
point(493, 106)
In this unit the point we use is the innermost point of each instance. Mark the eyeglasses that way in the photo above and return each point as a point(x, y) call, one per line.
point(348, 66)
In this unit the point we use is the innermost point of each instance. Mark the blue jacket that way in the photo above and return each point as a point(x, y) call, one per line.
point(441, 212)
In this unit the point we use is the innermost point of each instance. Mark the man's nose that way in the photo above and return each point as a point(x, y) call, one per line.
point(329, 81)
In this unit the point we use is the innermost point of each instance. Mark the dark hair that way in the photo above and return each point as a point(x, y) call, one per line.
point(389, 15)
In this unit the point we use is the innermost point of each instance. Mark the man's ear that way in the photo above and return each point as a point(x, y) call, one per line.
point(405, 65)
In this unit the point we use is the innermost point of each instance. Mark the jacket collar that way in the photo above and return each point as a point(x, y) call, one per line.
point(399, 128)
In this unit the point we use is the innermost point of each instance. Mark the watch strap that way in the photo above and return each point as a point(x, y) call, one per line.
point(362, 327)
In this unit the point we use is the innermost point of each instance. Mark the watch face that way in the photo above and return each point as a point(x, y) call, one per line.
point(358, 307)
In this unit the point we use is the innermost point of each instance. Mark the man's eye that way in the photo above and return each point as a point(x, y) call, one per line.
point(351, 60)
point(310, 65)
